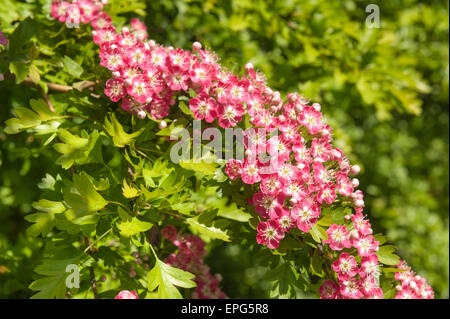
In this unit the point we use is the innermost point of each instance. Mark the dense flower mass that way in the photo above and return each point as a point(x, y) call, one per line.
point(189, 257)
point(305, 174)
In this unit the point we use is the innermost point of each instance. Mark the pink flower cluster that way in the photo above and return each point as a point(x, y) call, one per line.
point(3, 39)
point(189, 257)
point(411, 285)
point(305, 173)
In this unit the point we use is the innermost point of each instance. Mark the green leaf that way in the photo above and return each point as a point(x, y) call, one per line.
point(211, 229)
point(20, 70)
point(132, 227)
point(318, 233)
point(85, 200)
point(386, 256)
point(45, 221)
point(165, 278)
point(72, 67)
point(116, 131)
point(43, 224)
point(75, 149)
point(54, 284)
point(129, 191)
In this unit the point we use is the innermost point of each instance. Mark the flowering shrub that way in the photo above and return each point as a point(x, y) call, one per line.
point(117, 189)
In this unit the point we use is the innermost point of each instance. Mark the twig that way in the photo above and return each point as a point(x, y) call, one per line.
point(91, 270)
point(47, 100)
point(55, 86)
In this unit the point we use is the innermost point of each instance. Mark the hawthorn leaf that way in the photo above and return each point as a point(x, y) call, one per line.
point(166, 278)
point(386, 255)
point(132, 227)
point(209, 228)
point(85, 201)
point(44, 221)
point(72, 67)
point(129, 191)
point(53, 285)
point(116, 131)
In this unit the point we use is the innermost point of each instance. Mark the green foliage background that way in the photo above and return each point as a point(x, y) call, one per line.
point(385, 91)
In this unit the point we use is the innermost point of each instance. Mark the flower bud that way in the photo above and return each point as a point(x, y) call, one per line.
point(125, 30)
point(141, 114)
point(248, 66)
point(355, 169)
point(359, 203)
point(316, 106)
point(162, 124)
point(298, 108)
point(268, 91)
point(354, 234)
point(196, 46)
point(347, 217)
point(355, 182)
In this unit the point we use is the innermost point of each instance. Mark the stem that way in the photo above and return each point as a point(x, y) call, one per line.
point(93, 282)
point(91, 269)
point(96, 241)
point(121, 205)
point(55, 86)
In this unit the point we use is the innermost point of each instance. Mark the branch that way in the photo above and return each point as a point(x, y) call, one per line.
point(55, 87)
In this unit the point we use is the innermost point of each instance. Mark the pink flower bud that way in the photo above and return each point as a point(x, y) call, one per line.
point(141, 114)
point(196, 46)
point(298, 108)
point(355, 170)
point(347, 217)
point(355, 182)
point(162, 124)
point(359, 203)
point(316, 106)
point(248, 66)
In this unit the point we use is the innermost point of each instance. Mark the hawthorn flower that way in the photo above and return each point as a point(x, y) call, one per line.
point(369, 266)
point(269, 233)
point(204, 107)
point(345, 266)
point(351, 288)
point(329, 290)
point(250, 172)
point(361, 224)
point(327, 194)
point(338, 237)
point(115, 89)
point(312, 119)
point(265, 205)
point(305, 214)
point(233, 169)
point(284, 219)
point(230, 115)
point(366, 245)
point(271, 184)
point(126, 294)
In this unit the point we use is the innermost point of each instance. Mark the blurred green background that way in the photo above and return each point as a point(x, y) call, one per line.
point(384, 90)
